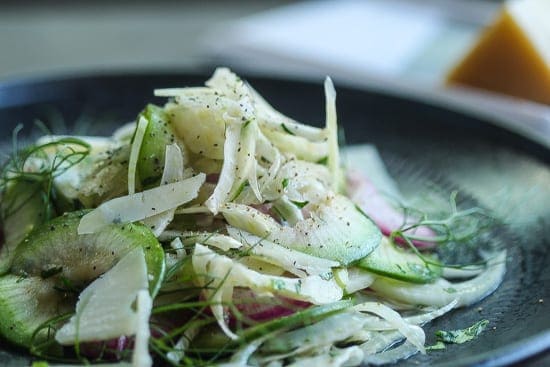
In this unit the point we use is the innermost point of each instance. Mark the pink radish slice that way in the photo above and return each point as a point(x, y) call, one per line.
point(257, 308)
point(362, 192)
point(109, 350)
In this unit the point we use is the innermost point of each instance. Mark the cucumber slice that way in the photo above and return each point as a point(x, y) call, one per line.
point(393, 262)
point(336, 230)
point(108, 179)
point(22, 209)
point(26, 303)
point(56, 249)
point(158, 135)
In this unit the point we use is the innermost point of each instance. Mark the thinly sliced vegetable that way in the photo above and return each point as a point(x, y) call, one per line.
point(224, 186)
point(335, 357)
point(394, 262)
point(335, 229)
point(363, 193)
point(22, 208)
point(333, 329)
point(291, 260)
point(223, 273)
point(332, 135)
point(414, 334)
point(442, 292)
point(158, 134)
point(173, 172)
point(144, 305)
point(27, 303)
point(297, 146)
point(134, 153)
point(104, 309)
point(141, 205)
point(55, 249)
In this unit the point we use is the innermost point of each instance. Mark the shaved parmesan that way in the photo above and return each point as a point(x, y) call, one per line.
point(141, 205)
point(173, 172)
point(104, 309)
point(141, 356)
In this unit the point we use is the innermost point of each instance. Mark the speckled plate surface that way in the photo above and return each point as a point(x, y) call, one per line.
point(503, 171)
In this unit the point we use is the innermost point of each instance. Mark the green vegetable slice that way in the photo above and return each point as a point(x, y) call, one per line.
point(54, 263)
point(22, 209)
point(394, 262)
point(158, 134)
point(82, 258)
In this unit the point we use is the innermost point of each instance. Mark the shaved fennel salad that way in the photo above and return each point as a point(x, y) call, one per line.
point(216, 231)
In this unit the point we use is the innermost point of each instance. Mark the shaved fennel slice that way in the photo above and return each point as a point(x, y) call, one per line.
point(356, 279)
point(242, 355)
point(268, 162)
point(249, 219)
point(332, 134)
point(246, 161)
point(229, 273)
point(378, 341)
point(141, 356)
point(104, 309)
point(173, 172)
point(393, 355)
point(297, 146)
point(442, 292)
point(227, 175)
point(463, 272)
point(209, 101)
point(374, 323)
point(222, 274)
point(141, 205)
point(413, 333)
point(333, 329)
point(228, 83)
point(176, 92)
point(334, 357)
point(220, 241)
point(134, 153)
point(288, 211)
point(293, 261)
point(302, 182)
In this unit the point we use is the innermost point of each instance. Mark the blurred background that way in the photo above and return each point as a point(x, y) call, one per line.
point(417, 39)
point(397, 46)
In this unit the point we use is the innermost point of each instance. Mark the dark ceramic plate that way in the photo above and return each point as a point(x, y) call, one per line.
point(508, 173)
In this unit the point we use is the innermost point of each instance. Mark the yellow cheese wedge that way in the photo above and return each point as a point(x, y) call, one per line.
point(512, 56)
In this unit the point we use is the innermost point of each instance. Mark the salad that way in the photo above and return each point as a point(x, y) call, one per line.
point(216, 231)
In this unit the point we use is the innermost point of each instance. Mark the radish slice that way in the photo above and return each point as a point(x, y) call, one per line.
point(264, 308)
point(364, 193)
